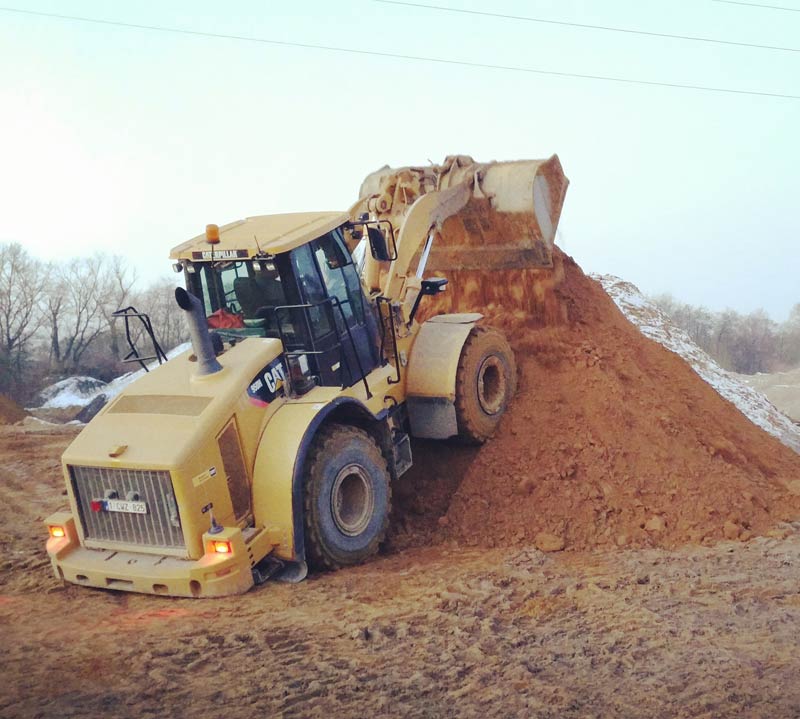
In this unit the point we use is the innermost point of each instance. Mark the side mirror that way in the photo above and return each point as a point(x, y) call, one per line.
point(378, 245)
point(428, 287)
point(433, 286)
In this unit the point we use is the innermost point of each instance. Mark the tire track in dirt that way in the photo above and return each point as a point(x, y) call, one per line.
point(31, 487)
point(694, 632)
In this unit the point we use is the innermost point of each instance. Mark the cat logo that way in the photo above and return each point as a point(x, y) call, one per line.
point(220, 255)
point(268, 383)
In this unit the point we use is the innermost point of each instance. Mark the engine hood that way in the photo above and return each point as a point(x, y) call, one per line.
point(160, 420)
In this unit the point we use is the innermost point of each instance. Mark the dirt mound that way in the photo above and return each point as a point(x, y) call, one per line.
point(611, 441)
point(10, 411)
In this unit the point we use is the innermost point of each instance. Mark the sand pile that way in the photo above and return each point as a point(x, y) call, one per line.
point(10, 411)
point(611, 441)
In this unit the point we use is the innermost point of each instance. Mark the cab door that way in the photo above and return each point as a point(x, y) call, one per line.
point(340, 331)
point(355, 321)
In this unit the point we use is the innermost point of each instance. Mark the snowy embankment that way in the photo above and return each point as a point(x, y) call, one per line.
point(82, 391)
point(656, 325)
point(70, 392)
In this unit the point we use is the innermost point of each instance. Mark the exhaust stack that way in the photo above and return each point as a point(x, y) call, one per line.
point(198, 332)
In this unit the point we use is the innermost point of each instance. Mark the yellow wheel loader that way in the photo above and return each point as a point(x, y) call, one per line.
point(275, 441)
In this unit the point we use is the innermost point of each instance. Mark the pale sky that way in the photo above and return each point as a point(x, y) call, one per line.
point(131, 141)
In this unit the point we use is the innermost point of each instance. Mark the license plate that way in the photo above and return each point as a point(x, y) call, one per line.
point(123, 505)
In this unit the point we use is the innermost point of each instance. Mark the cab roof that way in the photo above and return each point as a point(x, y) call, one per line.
point(269, 234)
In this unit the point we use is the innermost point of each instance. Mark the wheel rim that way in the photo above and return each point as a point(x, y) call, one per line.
point(491, 385)
point(352, 500)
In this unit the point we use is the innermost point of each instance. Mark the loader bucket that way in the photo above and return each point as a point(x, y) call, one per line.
point(493, 226)
point(509, 221)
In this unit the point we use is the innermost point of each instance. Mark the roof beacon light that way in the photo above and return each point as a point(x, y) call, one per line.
point(56, 532)
point(212, 234)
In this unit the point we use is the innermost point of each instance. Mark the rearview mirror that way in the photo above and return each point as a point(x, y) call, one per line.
point(378, 245)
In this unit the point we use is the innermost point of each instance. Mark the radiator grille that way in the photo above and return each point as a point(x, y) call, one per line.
point(159, 527)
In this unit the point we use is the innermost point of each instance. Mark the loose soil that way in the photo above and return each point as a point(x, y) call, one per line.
point(10, 411)
point(429, 632)
point(613, 440)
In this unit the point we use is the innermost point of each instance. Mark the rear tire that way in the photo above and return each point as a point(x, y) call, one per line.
point(485, 383)
point(347, 498)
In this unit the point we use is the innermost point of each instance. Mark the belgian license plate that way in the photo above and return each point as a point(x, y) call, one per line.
point(124, 505)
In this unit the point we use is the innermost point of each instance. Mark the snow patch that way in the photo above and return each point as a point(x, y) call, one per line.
point(81, 391)
point(70, 392)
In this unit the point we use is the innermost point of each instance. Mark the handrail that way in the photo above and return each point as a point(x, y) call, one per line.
point(379, 299)
point(133, 356)
point(332, 301)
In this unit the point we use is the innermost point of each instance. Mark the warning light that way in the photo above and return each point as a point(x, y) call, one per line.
point(221, 546)
point(56, 532)
point(212, 234)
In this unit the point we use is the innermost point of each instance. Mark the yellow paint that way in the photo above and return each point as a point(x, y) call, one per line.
point(433, 363)
point(262, 233)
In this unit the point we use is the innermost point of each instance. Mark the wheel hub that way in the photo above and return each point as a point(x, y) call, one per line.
point(352, 500)
point(491, 385)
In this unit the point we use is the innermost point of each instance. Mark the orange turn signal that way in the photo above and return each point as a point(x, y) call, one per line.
point(222, 546)
point(56, 531)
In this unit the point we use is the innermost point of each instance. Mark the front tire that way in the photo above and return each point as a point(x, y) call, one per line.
point(347, 498)
point(485, 383)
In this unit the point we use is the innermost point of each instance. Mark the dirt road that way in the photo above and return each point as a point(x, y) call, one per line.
point(429, 632)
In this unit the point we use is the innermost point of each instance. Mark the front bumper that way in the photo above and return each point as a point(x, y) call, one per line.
point(213, 575)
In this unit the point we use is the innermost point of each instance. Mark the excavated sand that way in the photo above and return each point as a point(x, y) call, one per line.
point(611, 441)
point(10, 411)
point(432, 632)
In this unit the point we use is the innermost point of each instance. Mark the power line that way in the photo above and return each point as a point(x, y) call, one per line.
point(400, 56)
point(583, 26)
point(752, 4)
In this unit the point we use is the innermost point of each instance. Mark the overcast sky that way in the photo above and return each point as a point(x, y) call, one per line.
point(131, 141)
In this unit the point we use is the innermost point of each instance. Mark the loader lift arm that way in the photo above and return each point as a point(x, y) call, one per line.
point(461, 216)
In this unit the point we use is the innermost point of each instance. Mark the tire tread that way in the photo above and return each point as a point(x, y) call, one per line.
point(469, 429)
point(328, 440)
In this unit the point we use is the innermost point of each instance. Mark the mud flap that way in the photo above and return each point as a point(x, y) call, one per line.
point(292, 572)
point(432, 417)
point(272, 568)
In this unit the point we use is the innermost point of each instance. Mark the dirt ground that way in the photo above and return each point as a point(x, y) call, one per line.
point(781, 388)
point(436, 631)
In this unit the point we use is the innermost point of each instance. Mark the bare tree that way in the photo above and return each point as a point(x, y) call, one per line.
point(742, 343)
point(755, 344)
point(169, 324)
point(119, 281)
point(21, 281)
point(726, 328)
point(789, 339)
point(76, 310)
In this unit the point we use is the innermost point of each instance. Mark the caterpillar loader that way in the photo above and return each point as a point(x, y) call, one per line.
point(275, 441)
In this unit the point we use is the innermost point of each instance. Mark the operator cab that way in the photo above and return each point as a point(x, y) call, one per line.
point(310, 297)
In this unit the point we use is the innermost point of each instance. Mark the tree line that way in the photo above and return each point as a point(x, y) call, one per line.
point(56, 319)
point(744, 343)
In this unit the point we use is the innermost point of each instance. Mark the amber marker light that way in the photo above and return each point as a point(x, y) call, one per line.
point(221, 546)
point(56, 532)
point(212, 234)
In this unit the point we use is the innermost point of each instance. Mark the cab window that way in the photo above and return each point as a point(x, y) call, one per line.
point(313, 291)
point(340, 275)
